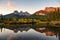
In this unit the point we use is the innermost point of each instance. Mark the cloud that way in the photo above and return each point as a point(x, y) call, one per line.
point(10, 5)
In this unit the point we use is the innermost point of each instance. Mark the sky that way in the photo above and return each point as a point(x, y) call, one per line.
point(8, 6)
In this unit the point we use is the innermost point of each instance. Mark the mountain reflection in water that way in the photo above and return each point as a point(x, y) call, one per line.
point(30, 34)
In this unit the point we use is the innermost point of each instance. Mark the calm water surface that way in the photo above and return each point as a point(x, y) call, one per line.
point(29, 34)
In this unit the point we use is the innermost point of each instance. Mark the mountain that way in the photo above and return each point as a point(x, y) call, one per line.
point(21, 13)
point(40, 12)
point(17, 14)
point(24, 13)
point(47, 10)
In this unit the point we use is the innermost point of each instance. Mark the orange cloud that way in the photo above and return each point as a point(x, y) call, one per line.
point(10, 5)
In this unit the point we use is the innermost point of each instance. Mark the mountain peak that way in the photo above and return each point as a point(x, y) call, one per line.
point(21, 13)
point(15, 12)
